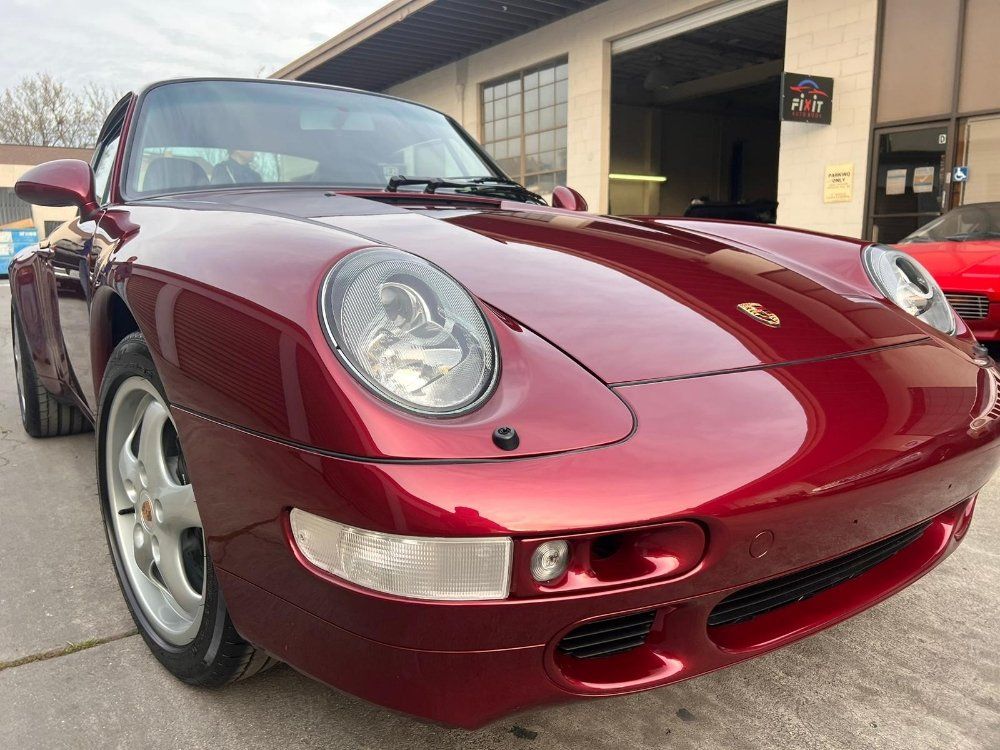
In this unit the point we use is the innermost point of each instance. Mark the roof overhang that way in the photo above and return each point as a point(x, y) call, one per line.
point(409, 37)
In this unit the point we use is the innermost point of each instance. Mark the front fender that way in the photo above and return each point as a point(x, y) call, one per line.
point(34, 297)
point(229, 305)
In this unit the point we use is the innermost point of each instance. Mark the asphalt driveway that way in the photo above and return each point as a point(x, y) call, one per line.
point(919, 671)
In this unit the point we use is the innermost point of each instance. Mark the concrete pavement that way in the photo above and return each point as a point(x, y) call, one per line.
point(919, 671)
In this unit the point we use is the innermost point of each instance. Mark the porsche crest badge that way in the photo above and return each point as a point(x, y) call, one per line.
point(757, 311)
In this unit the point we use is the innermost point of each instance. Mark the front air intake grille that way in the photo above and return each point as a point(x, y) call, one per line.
point(764, 597)
point(606, 637)
point(970, 306)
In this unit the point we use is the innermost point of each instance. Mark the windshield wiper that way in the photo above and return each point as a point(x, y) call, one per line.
point(489, 186)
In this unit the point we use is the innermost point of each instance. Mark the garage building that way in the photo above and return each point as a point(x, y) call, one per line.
point(647, 105)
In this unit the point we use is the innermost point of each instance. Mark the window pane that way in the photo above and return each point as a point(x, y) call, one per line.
point(500, 129)
point(547, 140)
point(102, 172)
point(547, 160)
point(514, 87)
point(561, 158)
point(562, 91)
point(500, 108)
point(488, 111)
point(531, 81)
point(487, 93)
point(514, 105)
point(546, 118)
point(511, 166)
point(500, 150)
point(561, 137)
point(514, 147)
point(488, 132)
point(531, 100)
point(548, 75)
point(902, 156)
point(513, 126)
point(531, 122)
point(562, 72)
point(561, 114)
point(547, 95)
point(531, 144)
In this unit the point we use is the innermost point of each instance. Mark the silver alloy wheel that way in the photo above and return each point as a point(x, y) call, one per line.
point(18, 373)
point(155, 517)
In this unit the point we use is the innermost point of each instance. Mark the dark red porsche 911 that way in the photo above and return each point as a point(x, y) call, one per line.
point(366, 406)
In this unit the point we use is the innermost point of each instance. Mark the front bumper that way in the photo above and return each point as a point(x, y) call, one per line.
point(471, 688)
point(825, 457)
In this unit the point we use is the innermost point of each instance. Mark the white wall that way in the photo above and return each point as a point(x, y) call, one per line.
point(834, 38)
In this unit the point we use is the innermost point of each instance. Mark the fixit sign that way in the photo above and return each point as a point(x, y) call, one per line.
point(806, 98)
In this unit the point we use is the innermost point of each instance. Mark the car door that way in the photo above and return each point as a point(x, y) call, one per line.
point(71, 254)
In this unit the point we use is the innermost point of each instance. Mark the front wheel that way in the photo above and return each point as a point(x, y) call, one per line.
point(154, 529)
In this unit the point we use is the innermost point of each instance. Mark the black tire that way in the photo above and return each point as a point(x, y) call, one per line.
point(42, 415)
point(218, 655)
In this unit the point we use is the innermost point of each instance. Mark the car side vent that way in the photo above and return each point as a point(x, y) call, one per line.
point(607, 637)
point(764, 597)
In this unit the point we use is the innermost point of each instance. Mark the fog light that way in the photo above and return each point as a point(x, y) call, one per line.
point(447, 568)
point(549, 560)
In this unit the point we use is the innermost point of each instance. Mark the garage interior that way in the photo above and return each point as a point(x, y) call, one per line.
point(695, 115)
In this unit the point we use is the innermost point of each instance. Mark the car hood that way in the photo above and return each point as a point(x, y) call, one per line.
point(630, 302)
point(961, 266)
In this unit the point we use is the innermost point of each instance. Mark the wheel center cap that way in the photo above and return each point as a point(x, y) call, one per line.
point(146, 510)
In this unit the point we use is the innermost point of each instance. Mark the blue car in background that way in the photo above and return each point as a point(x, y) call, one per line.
point(12, 241)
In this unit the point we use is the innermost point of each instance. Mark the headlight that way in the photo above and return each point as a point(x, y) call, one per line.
point(904, 281)
point(409, 332)
point(455, 569)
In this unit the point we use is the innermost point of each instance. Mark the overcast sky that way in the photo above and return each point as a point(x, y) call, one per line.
point(126, 43)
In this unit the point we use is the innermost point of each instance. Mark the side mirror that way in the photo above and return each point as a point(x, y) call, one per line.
point(568, 198)
point(64, 182)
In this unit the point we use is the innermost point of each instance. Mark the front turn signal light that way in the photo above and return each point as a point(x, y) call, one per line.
point(416, 567)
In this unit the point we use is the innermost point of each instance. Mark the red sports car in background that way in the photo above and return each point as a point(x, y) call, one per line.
point(961, 250)
point(366, 406)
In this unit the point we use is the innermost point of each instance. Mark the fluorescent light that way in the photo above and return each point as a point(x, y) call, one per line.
point(638, 177)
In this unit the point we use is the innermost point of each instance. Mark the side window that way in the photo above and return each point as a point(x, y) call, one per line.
point(102, 169)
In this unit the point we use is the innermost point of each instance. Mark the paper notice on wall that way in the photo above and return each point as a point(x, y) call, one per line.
point(923, 180)
point(838, 186)
point(895, 181)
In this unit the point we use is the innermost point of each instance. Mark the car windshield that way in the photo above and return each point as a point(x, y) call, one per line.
point(194, 135)
point(977, 221)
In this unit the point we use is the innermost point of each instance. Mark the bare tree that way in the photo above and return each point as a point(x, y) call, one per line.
point(42, 111)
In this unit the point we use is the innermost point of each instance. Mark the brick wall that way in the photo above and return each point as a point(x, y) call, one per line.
point(834, 38)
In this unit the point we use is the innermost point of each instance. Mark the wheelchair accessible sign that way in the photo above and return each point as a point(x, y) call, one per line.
point(960, 174)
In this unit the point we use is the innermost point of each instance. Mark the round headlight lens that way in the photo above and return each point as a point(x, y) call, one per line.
point(904, 281)
point(409, 332)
